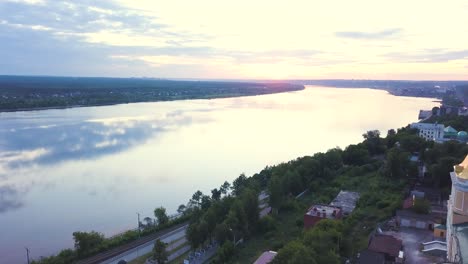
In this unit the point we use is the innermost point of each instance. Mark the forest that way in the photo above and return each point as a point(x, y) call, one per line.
point(28, 92)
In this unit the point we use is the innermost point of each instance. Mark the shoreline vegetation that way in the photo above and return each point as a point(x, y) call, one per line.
point(33, 93)
point(26, 93)
point(379, 168)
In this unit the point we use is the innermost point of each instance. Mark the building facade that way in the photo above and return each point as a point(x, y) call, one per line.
point(457, 215)
point(429, 131)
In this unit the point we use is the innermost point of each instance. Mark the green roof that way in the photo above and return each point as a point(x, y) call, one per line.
point(443, 227)
point(450, 129)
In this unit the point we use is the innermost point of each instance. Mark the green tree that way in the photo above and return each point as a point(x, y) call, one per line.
point(326, 235)
point(210, 218)
point(421, 206)
point(160, 214)
point(295, 252)
point(374, 143)
point(250, 205)
point(194, 236)
point(222, 232)
point(205, 202)
point(226, 251)
point(216, 194)
point(238, 184)
point(86, 243)
point(225, 188)
point(356, 155)
point(196, 198)
point(397, 163)
point(160, 254)
point(181, 209)
point(275, 188)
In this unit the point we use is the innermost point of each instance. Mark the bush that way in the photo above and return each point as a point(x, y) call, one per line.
point(266, 224)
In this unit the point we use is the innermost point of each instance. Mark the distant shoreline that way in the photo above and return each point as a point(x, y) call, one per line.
point(136, 102)
point(26, 93)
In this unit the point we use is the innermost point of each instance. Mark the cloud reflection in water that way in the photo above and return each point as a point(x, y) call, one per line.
point(27, 147)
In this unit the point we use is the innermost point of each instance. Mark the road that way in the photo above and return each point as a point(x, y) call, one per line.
point(137, 248)
point(177, 235)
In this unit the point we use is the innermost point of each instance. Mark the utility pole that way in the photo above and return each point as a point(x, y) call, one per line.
point(138, 224)
point(139, 234)
point(27, 254)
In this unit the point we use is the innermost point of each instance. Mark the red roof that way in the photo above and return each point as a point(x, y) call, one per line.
point(408, 203)
point(386, 244)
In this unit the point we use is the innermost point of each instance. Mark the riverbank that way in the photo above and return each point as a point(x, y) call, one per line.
point(77, 150)
point(26, 93)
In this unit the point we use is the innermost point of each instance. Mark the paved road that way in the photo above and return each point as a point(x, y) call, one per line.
point(170, 234)
point(177, 235)
point(179, 253)
point(412, 239)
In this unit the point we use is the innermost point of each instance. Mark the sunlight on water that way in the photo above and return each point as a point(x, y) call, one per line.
point(93, 168)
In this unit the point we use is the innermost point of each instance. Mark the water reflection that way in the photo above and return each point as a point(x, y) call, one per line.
point(24, 149)
point(51, 144)
point(93, 168)
point(9, 199)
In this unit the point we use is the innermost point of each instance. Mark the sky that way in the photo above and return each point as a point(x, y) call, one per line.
point(241, 39)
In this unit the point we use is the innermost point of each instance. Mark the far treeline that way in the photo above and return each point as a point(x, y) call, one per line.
point(379, 168)
point(27, 92)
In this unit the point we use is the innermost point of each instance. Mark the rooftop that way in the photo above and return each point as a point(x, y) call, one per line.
point(450, 129)
point(319, 210)
point(346, 200)
point(266, 257)
point(370, 257)
point(263, 195)
point(386, 244)
point(427, 126)
point(442, 227)
point(411, 214)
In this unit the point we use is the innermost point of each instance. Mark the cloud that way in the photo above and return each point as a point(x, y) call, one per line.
point(369, 35)
point(428, 55)
point(208, 39)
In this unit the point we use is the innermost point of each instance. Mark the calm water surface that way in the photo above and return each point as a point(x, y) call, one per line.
point(93, 168)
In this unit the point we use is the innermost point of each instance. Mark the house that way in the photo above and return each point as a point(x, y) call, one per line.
point(370, 257)
point(463, 111)
point(408, 218)
point(440, 231)
point(346, 200)
point(457, 214)
point(266, 257)
point(428, 131)
point(424, 114)
point(318, 212)
point(264, 211)
point(263, 206)
point(388, 245)
point(408, 203)
point(433, 195)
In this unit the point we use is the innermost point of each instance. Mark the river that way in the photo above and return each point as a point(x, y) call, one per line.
point(94, 168)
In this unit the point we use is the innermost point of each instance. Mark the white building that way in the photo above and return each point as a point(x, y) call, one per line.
point(457, 215)
point(429, 131)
